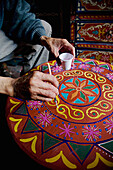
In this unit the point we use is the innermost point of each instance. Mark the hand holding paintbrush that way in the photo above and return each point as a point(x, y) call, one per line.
point(51, 74)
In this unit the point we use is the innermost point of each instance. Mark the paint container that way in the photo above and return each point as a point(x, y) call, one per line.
point(66, 60)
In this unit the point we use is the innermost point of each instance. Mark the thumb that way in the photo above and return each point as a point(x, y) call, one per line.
point(55, 52)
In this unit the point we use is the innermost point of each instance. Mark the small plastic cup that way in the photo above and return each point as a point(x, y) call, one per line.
point(66, 60)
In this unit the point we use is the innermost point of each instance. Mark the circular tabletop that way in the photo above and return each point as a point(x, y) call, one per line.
point(78, 132)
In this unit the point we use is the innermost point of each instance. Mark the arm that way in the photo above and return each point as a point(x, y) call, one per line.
point(57, 44)
point(6, 85)
point(20, 24)
point(34, 85)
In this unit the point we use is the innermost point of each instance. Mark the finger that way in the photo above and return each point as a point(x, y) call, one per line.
point(44, 77)
point(36, 97)
point(37, 83)
point(73, 61)
point(42, 92)
point(49, 78)
point(58, 61)
point(55, 52)
point(72, 50)
point(46, 86)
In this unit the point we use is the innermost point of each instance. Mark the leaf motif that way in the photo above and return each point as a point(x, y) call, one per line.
point(69, 90)
point(82, 95)
point(17, 124)
point(96, 161)
point(88, 87)
point(88, 92)
point(33, 139)
point(83, 84)
point(77, 82)
point(64, 159)
point(15, 104)
point(70, 85)
point(74, 94)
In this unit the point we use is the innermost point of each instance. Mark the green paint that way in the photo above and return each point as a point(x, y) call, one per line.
point(22, 110)
point(60, 109)
point(105, 66)
point(77, 82)
point(49, 141)
point(82, 95)
point(30, 126)
point(108, 146)
point(44, 68)
point(88, 87)
point(69, 90)
point(91, 62)
point(94, 113)
point(81, 150)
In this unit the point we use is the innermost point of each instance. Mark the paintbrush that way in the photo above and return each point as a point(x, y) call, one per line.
point(51, 74)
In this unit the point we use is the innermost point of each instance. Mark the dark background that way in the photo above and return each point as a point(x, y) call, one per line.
point(57, 13)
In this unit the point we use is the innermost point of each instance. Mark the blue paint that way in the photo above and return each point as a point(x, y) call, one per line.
point(70, 80)
point(90, 83)
point(65, 95)
point(81, 79)
point(62, 87)
point(78, 101)
point(91, 98)
point(96, 91)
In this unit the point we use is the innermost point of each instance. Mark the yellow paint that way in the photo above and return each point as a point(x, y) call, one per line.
point(108, 94)
point(78, 110)
point(52, 63)
point(102, 109)
point(36, 69)
point(63, 110)
point(17, 124)
point(52, 102)
point(73, 73)
point(15, 104)
point(64, 159)
point(96, 161)
point(109, 87)
point(93, 76)
point(60, 77)
point(33, 145)
point(108, 104)
point(71, 114)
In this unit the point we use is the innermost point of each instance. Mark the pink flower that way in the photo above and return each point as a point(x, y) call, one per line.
point(105, 57)
point(34, 104)
point(57, 69)
point(97, 69)
point(109, 76)
point(84, 66)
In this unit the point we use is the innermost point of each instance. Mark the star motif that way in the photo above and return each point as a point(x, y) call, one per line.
point(78, 89)
point(91, 133)
point(66, 130)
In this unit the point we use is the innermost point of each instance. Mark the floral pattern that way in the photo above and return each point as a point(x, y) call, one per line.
point(79, 90)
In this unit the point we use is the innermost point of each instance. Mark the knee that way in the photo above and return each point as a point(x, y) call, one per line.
point(47, 27)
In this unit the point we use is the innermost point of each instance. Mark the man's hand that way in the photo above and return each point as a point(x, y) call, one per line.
point(36, 85)
point(56, 44)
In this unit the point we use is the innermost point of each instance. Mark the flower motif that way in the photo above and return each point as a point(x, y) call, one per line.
point(66, 130)
point(109, 125)
point(44, 118)
point(34, 104)
point(84, 66)
point(91, 133)
point(109, 76)
point(97, 69)
point(78, 89)
point(57, 69)
point(105, 57)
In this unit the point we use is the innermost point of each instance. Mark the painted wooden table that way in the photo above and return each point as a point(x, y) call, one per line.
point(78, 134)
